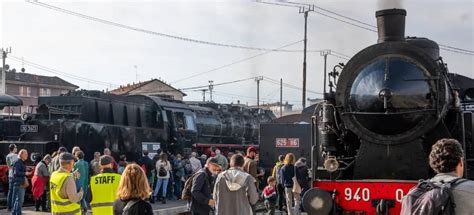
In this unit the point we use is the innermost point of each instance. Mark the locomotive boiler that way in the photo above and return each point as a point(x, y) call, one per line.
point(373, 134)
point(127, 125)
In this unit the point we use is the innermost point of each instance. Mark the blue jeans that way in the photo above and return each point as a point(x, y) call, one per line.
point(18, 197)
point(164, 182)
point(84, 203)
point(177, 188)
point(10, 200)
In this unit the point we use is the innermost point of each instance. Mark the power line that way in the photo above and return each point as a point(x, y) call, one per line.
point(332, 12)
point(236, 62)
point(154, 33)
point(442, 47)
point(57, 72)
point(323, 14)
point(207, 86)
point(276, 82)
point(218, 84)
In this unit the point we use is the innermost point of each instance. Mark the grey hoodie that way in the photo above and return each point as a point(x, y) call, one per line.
point(234, 192)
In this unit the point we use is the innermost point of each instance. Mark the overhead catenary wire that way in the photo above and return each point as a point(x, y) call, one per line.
point(372, 27)
point(61, 73)
point(155, 33)
point(280, 49)
point(443, 47)
point(276, 82)
point(236, 62)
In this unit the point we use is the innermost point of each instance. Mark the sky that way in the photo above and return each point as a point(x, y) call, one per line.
point(98, 56)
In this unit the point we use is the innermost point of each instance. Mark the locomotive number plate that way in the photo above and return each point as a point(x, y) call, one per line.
point(363, 194)
point(29, 128)
point(287, 142)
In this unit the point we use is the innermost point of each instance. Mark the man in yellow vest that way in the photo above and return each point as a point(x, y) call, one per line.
point(64, 196)
point(103, 188)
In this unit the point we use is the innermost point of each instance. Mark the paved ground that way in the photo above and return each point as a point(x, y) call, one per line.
point(170, 208)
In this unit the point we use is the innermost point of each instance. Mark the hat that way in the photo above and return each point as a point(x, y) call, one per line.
point(213, 161)
point(62, 149)
point(251, 149)
point(66, 156)
point(47, 157)
point(105, 160)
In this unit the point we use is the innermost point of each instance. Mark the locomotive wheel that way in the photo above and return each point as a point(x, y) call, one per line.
point(317, 201)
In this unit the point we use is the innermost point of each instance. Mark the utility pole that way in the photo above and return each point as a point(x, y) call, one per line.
point(281, 97)
point(136, 73)
point(305, 11)
point(325, 53)
point(204, 94)
point(4, 56)
point(258, 79)
point(211, 87)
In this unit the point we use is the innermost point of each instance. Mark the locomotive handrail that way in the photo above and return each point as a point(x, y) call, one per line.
point(55, 110)
point(386, 113)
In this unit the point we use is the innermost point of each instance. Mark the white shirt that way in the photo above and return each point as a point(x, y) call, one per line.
point(10, 159)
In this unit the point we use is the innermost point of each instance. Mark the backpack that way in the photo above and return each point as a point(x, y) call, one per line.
point(430, 198)
point(162, 171)
point(279, 174)
point(186, 193)
point(127, 209)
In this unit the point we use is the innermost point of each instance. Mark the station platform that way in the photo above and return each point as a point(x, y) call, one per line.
point(172, 207)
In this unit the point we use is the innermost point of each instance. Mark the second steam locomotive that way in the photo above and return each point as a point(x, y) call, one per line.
point(127, 125)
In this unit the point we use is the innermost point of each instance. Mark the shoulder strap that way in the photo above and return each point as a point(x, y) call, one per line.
point(129, 205)
point(457, 181)
point(450, 185)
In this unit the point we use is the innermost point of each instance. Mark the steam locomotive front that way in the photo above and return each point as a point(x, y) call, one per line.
point(393, 100)
point(394, 91)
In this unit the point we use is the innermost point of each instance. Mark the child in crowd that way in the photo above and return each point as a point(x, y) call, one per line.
point(270, 195)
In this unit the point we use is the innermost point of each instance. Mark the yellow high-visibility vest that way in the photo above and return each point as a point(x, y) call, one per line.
point(104, 192)
point(59, 205)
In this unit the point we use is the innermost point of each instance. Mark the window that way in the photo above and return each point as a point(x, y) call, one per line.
point(190, 122)
point(25, 91)
point(45, 92)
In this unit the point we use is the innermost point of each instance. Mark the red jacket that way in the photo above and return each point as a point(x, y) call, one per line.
point(38, 183)
point(269, 191)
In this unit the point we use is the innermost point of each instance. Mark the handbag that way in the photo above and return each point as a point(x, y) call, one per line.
point(25, 183)
point(296, 185)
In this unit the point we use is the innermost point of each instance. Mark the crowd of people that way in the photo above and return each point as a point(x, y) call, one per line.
point(65, 183)
point(232, 184)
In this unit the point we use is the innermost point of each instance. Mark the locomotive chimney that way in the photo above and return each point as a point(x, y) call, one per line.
point(391, 25)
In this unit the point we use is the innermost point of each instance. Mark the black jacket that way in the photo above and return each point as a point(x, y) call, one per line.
point(148, 163)
point(19, 172)
point(201, 192)
point(288, 172)
point(140, 208)
point(302, 176)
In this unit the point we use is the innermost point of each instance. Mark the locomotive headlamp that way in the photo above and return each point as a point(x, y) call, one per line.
point(331, 164)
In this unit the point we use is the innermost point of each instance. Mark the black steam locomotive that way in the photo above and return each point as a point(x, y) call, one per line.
point(392, 101)
point(94, 120)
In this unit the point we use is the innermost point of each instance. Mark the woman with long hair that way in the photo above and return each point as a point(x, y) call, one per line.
point(288, 173)
point(132, 192)
point(163, 168)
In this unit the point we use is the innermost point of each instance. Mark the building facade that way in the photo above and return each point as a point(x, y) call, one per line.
point(28, 87)
point(152, 87)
